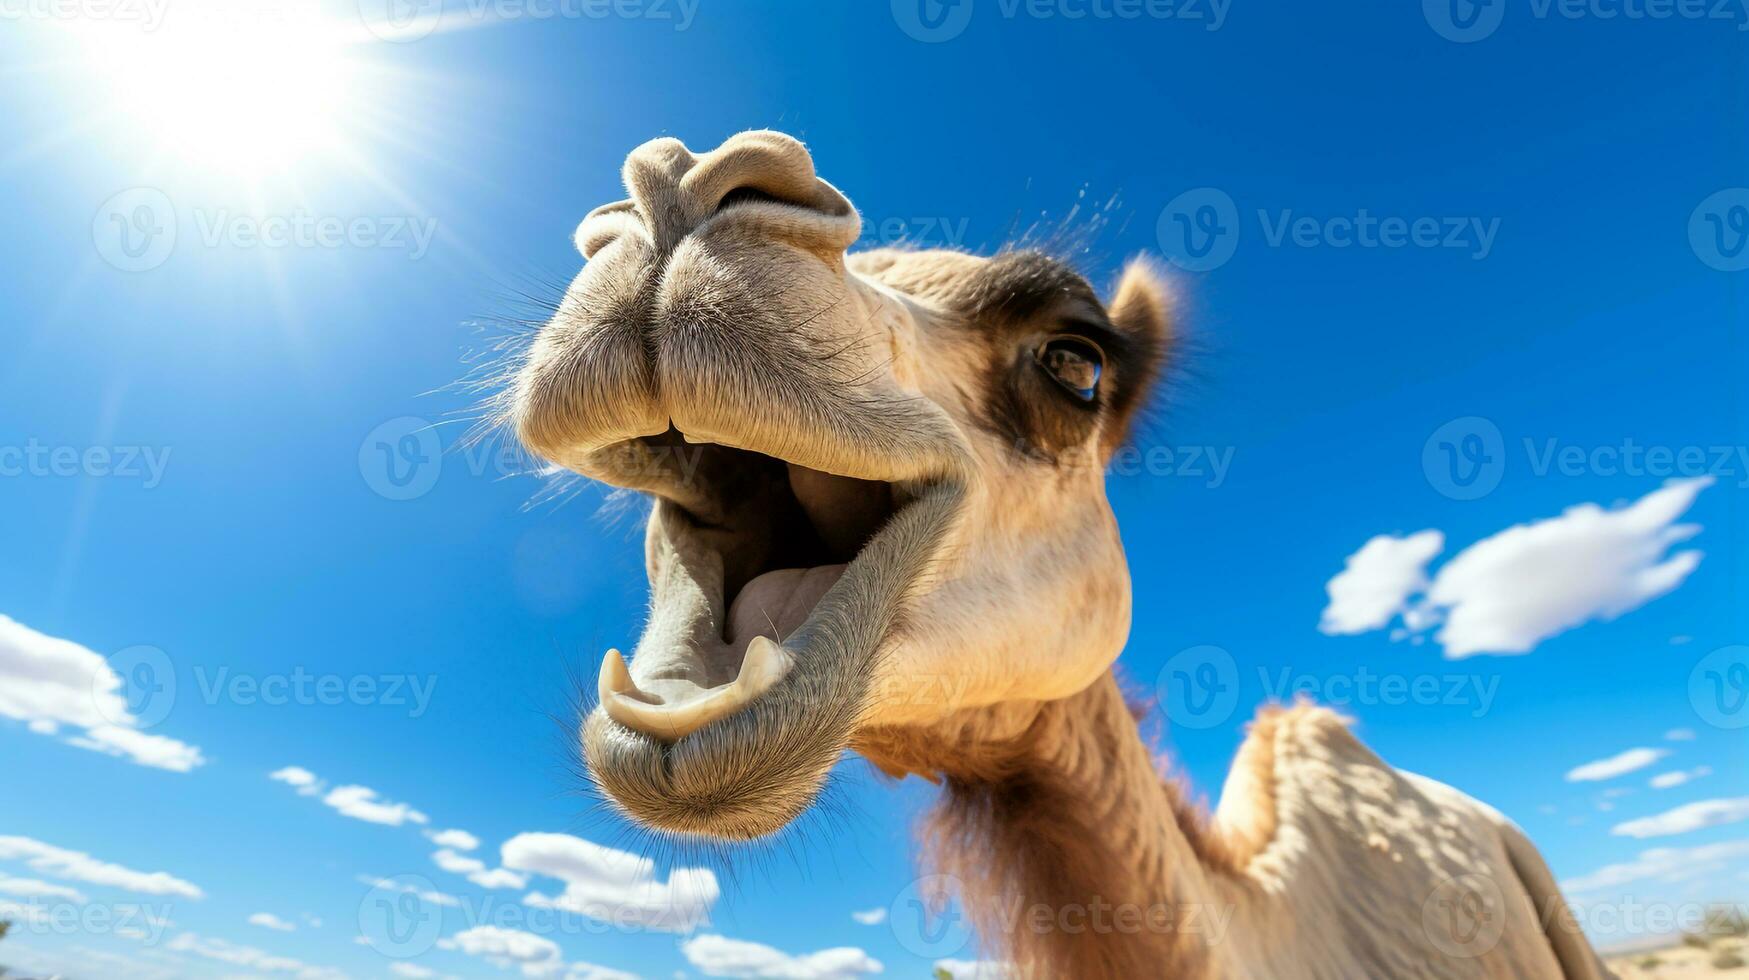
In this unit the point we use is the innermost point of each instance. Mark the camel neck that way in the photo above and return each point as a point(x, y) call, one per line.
point(1077, 858)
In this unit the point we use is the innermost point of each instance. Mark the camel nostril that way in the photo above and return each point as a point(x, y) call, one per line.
point(756, 195)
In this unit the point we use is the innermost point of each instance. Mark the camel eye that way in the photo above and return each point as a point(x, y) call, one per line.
point(1074, 363)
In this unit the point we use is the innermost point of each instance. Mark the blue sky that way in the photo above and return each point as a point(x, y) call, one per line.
point(199, 503)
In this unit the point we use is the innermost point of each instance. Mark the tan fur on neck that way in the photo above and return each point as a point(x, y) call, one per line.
point(1059, 804)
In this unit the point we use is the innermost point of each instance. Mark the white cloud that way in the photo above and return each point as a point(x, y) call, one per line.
point(158, 751)
point(1684, 819)
point(612, 886)
point(33, 888)
point(249, 957)
point(79, 866)
point(455, 863)
point(870, 917)
point(1377, 581)
point(977, 969)
point(363, 803)
point(1616, 765)
point(411, 970)
point(1661, 863)
point(454, 839)
point(357, 802)
point(267, 920)
point(1679, 735)
point(537, 956)
point(477, 872)
point(47, 683)
point(434, 897)
point(498, 878)
point(303, 780)
point(1666, 780)
point(1509, 592)
point(719, 956)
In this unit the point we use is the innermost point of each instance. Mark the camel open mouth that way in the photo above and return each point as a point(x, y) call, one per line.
point(773, 587)
point(764, 541)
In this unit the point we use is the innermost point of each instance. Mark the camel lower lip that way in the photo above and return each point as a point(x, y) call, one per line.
point(750, 772)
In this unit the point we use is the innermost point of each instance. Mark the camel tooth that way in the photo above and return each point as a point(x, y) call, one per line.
point(764, 665)
point(615, 679)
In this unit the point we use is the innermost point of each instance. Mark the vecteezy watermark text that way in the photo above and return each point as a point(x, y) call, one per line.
point(1466, 458)
point(148, 14)
point(1200, 229)
point(137, 230)
point(1468, 21)
point(305, 229)
point(36, 458)
point(935, 21)
point(1199, 687)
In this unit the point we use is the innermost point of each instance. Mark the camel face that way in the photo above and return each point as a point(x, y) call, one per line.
point(878, 479)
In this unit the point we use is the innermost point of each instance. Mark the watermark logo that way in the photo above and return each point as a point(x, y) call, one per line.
point(146, 13)
point(920, 231)
point(402, 458)
point(400, 20)
point(39, 459)
point(1718, 687)
point(148, 687)
point(135, 230)
point(304, 229)
point(1465, 458)
point(1199, 687)
point(1718, 230)
point(932, 21)
point(1464, 916)
point(396, 920)
point(925, 918)
point(413, 20)
point(1464, 21)
point(1199, 229)
point(1364, 687)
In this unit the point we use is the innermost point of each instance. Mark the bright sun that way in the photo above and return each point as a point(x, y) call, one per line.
point(245, 88)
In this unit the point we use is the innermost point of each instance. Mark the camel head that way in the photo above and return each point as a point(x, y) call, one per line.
point(877, 479)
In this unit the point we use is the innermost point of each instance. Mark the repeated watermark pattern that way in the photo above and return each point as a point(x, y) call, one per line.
point(138, 229)
point(404, 457)
point(936, 21)
point(35, 458)
point(920, 231)
point(1199, 687)
point(1718, 229)
point(140, 921)
point(146, 14)
point(1200, 229)
point(153, 686)
point(1208, 465)
point(412, 20)
point(1718, 687)
point(1468, 21)
point(926, 920)
point(401, 916)
point(1466, 458)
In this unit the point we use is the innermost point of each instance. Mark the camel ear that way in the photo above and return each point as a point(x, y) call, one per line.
point(1141, 310)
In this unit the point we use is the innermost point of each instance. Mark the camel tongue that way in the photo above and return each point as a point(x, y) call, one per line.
point(775, 603)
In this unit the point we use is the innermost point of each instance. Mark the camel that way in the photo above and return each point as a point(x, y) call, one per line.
point(879, 523)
